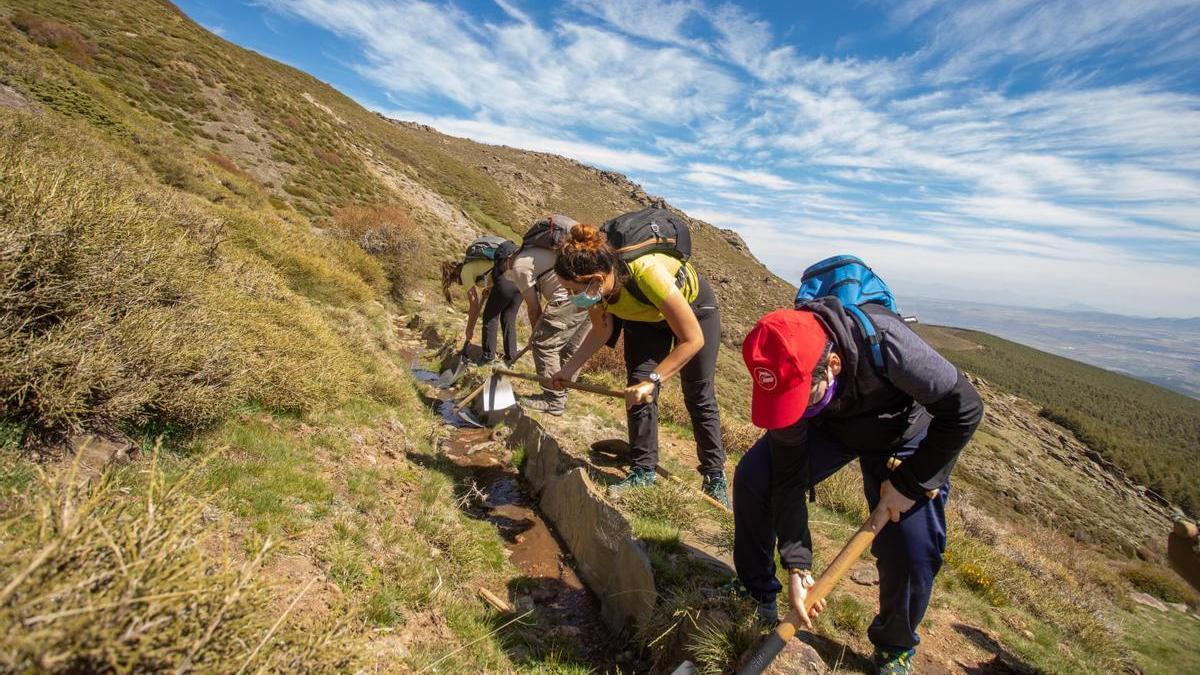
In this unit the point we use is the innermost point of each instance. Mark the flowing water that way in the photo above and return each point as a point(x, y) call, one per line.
point(565, 615)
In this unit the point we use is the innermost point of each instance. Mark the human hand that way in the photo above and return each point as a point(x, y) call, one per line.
point(798, 585)
point(558, 380)
point(895, 502)
point(640, 393)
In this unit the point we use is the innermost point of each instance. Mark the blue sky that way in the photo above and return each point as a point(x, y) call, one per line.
point(1009, 151)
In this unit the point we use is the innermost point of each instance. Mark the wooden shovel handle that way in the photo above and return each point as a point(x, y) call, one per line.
point(545, 382)
point(786, 630)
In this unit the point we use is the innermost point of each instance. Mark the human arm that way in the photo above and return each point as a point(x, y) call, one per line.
point(689, 340)
point(955, 406)
point(474, 306)
point(532, 305)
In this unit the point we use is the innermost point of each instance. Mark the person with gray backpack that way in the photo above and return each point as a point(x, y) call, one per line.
point(559, 327)
point(481, 273)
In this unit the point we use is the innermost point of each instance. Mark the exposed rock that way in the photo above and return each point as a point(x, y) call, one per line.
point(10, 98)
point(866, 575)
point(95, 452)
point(798, 658)
point(1178, 607)
point(735, 240)
point(600, 540)
point(1149, 601)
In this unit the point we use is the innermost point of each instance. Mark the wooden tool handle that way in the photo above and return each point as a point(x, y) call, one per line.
point(471, 396)
point(786, 630)
point(545, 382)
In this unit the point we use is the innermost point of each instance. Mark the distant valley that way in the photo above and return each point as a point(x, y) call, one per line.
point(1165, 352)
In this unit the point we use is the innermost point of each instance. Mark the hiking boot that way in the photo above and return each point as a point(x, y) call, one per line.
point(636, 478)
point(895, 661)
point(715, 487)
point(540, 404)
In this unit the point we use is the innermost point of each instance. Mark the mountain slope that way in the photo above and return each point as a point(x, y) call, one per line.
point(207, 250)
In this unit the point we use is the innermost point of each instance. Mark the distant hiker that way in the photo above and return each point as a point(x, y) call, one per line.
point(560, 327)
point(833, 382)
point(637, 271)
point(481, 272)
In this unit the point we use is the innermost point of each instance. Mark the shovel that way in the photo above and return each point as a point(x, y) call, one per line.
point(825, 583)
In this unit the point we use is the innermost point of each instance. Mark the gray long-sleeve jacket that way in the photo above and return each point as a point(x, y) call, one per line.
point(872, 413)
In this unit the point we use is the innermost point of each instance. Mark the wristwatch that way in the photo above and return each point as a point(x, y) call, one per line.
point(657, 380)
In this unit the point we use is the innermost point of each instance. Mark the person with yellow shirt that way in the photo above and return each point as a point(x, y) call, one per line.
point(672, 326)
point(482, 274)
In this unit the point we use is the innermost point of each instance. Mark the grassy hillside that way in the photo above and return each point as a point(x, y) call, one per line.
point(1152, 433)
point(203, 257)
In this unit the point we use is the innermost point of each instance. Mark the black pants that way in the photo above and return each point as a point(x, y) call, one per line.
point(646, 345)
point(500, 310)
point(908, 554)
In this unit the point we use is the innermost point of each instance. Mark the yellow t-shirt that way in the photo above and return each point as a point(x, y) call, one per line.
point(654, 275)
point(477, 273)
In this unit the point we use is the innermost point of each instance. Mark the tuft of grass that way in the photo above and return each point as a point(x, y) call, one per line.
point(104, 581)
point(847, 613)
point(843, 493)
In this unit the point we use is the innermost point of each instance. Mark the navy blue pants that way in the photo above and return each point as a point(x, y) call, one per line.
point(908, 554)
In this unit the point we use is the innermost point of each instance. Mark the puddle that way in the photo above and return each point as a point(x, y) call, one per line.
point(566, 613)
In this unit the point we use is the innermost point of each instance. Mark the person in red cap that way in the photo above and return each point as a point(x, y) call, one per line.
point(825, 402)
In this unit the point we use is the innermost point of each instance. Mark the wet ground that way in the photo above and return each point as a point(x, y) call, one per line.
point(565, 615)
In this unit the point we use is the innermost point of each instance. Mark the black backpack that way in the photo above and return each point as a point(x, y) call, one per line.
point(548, 232)
point(651, 230)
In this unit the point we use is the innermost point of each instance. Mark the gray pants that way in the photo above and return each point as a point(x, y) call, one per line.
point(555, 339)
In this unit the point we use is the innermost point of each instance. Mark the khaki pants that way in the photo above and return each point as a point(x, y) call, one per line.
point(555, 339)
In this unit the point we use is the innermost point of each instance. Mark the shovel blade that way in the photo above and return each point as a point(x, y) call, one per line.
point(498, 394)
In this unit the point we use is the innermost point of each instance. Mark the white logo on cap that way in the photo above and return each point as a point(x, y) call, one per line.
point(766, 379)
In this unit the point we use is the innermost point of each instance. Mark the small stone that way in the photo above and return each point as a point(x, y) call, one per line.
point(1028, 634)
point(1178, 607)
point(866, 575)
point(1149, 601)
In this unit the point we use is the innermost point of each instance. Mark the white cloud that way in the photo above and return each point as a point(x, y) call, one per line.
point(629, 161)
point(1003, 140)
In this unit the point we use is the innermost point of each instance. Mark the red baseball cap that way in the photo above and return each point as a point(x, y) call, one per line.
point(780, 352)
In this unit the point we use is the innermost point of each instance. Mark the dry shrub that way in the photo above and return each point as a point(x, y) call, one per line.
point(57, 36)
point(1036, 572)
point(386, 231)
point(101, 581)
point(116, 314)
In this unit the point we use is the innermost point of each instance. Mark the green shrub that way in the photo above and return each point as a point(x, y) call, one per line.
point(1160, 582)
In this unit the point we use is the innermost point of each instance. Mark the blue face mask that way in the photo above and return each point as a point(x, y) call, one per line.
point(818, 407)
point(585, 299)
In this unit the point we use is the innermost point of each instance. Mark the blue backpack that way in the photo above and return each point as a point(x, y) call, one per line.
point(848, 279)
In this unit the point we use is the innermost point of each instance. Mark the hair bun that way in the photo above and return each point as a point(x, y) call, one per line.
point(586, 238)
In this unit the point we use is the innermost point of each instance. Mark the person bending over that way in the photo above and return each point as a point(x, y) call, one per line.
point(824, 403)
point(673, 329)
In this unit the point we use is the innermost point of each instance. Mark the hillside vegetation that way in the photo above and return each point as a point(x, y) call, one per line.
point(1152, 433)
point(204, 258)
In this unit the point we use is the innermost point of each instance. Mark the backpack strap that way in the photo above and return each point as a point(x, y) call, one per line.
point(874, 340)
point(636, 291)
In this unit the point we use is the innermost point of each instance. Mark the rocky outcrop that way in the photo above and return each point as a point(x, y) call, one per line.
point(607, 555)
